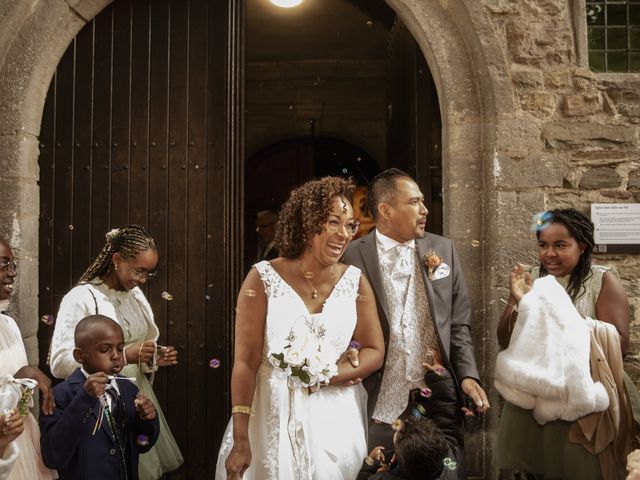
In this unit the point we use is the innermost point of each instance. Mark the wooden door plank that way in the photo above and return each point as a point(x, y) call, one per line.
point(45, 249)
point(197, 293)
point(101, 165)
point(139, 148)
point(120, 113)
point(82, 213)
point(177, 278)
point(63, 225)
point(158, 151)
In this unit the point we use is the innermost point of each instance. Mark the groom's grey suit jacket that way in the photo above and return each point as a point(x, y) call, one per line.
point(448, 301)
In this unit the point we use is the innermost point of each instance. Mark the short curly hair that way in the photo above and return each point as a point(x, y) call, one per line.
point(306, 210)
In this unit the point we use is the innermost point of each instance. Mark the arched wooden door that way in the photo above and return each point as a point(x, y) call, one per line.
point(142, 124)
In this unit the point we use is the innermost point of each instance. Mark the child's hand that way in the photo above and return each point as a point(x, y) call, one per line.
point(377, 454)
point(144, 407)
point(140, 352)
point(95, 384)
point(167, 356)
point(11, 426)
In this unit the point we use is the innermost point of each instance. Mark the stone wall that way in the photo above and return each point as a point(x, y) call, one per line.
point(573, 142)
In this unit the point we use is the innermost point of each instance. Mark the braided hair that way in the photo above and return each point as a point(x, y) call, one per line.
point(128, 241)
point(581, 229)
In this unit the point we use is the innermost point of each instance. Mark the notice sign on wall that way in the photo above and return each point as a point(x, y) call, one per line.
point(617, 227)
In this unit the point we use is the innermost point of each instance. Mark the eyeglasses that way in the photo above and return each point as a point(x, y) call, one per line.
point(334, 226)
point(141, 273)
point(9, 267)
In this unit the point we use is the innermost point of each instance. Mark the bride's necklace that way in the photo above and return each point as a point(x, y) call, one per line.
point(307, 276)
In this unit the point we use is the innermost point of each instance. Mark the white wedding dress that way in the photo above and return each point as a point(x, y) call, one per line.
point(295, 435)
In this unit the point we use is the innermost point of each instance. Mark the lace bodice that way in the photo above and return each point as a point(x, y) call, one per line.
point(285, 308)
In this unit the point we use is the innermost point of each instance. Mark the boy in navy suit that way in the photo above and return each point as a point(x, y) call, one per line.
point(101, 422)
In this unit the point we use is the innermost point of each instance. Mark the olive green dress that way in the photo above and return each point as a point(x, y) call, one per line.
point(523, 444)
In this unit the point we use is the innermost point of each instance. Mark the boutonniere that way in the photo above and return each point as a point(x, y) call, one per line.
point(432, 261)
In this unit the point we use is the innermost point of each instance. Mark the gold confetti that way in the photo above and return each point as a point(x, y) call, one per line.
point(250, 293)
point(475, 243)
point(71, 227)
point(167, 296)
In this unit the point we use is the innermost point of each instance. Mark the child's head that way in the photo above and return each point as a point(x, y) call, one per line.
point(99, 344)
point(420, 448)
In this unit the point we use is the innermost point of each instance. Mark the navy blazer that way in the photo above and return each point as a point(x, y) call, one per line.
point(68, 444)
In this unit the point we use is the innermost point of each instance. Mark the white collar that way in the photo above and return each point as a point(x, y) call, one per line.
point(4, 305)
point(387, 243)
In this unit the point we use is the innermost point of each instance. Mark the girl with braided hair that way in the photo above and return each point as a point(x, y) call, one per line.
point(559, 449)
point(111, 287)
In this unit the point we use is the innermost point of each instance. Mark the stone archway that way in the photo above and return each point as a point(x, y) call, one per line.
point(469, 69)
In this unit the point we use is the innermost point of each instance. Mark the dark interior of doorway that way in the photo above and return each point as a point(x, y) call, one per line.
point(275, 170)
point(295, 59)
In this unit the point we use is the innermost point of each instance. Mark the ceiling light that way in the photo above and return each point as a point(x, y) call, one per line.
point(286, 3)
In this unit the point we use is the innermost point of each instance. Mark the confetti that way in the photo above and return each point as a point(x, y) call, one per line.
point(142, 440)
point(47, 319)
point(425, 392)
point(475, 243)
point(421, 409)
point(439, 370)
point(207, 298)
point(309, 275)
point(354, 344)
point(214, 363)
point(397, 424)
point(541, 221)
point(250, 293)
point(167, 296)
point(71, 227)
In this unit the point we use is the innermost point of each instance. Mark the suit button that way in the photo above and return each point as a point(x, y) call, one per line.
point(112, 451)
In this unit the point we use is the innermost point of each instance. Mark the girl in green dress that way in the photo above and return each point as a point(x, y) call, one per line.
point(565, 242)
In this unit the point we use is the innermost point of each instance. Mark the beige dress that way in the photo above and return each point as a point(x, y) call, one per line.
point(13, 357)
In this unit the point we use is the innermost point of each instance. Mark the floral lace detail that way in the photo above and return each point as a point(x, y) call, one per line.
point(274, 285)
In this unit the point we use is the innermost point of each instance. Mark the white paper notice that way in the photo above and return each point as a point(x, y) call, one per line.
point(616, 223)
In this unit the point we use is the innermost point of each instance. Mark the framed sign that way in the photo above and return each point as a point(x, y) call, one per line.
point(617, 227)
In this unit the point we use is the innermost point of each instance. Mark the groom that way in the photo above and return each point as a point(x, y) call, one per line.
point(422, 304)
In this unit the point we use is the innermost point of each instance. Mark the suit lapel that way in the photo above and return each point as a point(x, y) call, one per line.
point(371, 262)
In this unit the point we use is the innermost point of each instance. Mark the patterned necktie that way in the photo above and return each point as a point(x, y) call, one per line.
point(403, 266)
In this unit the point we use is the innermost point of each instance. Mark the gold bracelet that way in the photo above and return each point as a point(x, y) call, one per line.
point(241, 409)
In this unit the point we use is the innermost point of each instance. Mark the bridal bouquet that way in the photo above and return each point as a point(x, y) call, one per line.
point(305, 356)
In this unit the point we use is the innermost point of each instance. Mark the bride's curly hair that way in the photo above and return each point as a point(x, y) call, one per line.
point(306, 211)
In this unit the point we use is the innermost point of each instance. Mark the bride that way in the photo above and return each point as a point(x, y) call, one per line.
point(296, 412)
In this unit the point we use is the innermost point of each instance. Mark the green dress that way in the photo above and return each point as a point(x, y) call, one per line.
point(523, 444)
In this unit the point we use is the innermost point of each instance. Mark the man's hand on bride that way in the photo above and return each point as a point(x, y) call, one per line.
point(349, 359)
point(238, 460)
